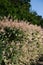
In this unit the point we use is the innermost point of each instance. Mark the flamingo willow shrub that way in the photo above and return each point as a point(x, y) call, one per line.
point(21, 43)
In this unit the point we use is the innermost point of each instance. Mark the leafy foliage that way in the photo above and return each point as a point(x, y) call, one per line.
point(20, 9)
point(21, 44)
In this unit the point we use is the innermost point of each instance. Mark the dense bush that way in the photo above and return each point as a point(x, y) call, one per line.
point(20, 43)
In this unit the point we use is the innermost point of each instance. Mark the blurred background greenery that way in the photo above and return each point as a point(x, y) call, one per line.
point(20, 9)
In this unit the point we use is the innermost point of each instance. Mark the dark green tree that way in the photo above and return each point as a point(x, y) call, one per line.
point(17, 8)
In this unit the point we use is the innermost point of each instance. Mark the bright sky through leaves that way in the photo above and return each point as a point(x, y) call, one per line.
point(37, 5)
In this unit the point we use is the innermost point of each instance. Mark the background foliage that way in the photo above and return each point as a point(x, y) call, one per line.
point(20, 9)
